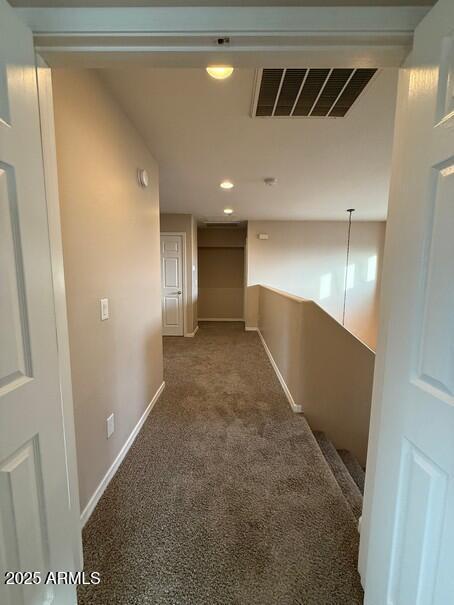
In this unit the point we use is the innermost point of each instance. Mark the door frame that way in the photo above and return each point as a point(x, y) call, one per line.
point(380, 358)
point(189, 36)
point(69, 37)
point(49, 158)
point(184, 274)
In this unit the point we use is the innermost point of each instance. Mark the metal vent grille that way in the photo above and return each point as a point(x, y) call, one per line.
point(269, 91)
point(309, 92)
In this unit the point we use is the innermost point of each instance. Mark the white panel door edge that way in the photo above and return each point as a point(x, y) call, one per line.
point(37, 525)
point(407, 540)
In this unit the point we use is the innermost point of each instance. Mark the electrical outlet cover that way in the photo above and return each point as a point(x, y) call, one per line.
point(104, 303)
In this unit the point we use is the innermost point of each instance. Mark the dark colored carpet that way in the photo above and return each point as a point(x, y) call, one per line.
point(225, 497)
point(341, 474)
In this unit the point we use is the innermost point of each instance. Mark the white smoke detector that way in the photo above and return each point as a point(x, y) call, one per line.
point(270, 181)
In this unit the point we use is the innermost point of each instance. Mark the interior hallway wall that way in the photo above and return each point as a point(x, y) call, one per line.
point(307, 258)
point(221, 273)
point(186, 223)
point(110, 229)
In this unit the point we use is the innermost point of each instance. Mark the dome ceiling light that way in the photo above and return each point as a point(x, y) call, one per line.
point(220, 72)
point(226, 185)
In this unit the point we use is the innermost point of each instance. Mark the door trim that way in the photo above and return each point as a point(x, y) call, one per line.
point(380, 359)
point(49, 158)
point(186, 36)
point(184, 273)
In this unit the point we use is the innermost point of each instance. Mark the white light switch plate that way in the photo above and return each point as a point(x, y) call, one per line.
point(110, 425)
point(104, 302)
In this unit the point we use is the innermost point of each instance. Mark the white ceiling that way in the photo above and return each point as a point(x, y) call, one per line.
point(200, 131)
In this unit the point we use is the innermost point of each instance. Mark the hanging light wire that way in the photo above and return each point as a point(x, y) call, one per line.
point(350, 212)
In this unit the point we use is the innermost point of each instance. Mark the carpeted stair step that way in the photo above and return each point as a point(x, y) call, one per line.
point(354, 468)
point(344, 479)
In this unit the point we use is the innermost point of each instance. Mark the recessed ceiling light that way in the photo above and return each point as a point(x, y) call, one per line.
point(220, 72)
point(226, 185)
point(228, 211)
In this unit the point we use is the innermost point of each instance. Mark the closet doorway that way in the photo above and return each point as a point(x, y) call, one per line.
point(221, 272)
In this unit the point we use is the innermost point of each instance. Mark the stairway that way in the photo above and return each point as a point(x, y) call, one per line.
point(346, 470)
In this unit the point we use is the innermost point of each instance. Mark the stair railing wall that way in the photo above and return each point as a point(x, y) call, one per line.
point(328, 371)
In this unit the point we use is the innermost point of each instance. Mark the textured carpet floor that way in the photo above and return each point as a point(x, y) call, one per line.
point(224, 498)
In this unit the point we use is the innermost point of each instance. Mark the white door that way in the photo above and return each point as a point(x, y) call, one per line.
point(36, 526)
point(410, 504)
point(172, 285)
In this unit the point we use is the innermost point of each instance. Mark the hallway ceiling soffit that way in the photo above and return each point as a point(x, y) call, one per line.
point(188, 37)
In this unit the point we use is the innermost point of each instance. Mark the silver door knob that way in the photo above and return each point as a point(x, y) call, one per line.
point(179, 292)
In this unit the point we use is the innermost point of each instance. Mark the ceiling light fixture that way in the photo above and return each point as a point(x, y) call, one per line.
point(228, 211)
point(226, 185)
point(220, 72)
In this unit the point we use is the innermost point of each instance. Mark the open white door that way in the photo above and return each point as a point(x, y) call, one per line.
point(36, 525)
point(172, 284)
point(408, 546)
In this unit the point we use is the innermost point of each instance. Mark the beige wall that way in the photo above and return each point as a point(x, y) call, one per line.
point(328, 371)
point(307, 258)
point(221, 283)
point(110, 230)
point(185, 223)
point(221, 273)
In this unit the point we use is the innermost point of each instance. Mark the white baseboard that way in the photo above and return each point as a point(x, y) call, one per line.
point(118, 460)
point(296, 407)
point(250, 329)
point(192, 334)
point(221, 319)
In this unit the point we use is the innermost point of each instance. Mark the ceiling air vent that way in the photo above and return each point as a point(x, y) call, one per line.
point(307, 93)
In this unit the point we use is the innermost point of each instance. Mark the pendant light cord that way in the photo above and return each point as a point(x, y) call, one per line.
point(350, 211)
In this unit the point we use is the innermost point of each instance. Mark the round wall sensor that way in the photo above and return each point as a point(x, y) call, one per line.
point(142, 177)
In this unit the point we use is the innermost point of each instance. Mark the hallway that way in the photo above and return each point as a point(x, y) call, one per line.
point(225, 497)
